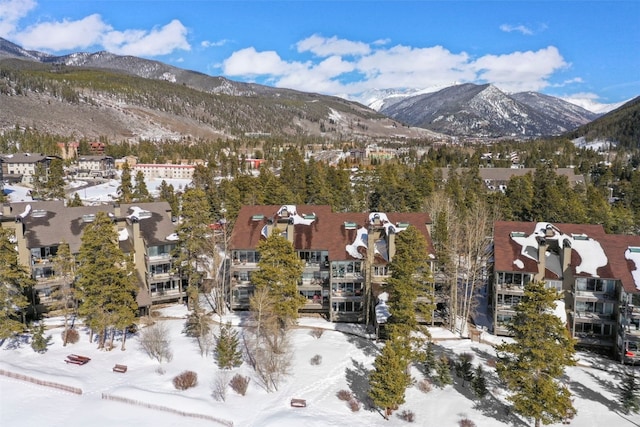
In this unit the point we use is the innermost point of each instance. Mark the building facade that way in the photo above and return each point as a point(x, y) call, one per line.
point(597, 274)
point(346, 255)
point(145, 231)
point(22, 167)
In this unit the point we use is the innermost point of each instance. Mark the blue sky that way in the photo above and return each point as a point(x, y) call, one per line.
point(587, 51)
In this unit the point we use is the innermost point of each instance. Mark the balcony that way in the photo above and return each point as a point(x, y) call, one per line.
point(594, 296)
point(591, 316)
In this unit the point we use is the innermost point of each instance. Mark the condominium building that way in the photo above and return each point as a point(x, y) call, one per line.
point(145, 230)
point(597, 274)
point(346, 255)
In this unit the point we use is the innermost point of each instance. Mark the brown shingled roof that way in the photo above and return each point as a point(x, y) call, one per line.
point(327, 232)
point(507, 251)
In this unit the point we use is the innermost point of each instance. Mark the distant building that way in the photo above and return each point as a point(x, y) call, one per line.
point(496, 179)
point(164, 171)
point(96, 166)
point(21, 167)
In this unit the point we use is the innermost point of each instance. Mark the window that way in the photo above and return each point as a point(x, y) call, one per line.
point(246, 256)
point(591, 284)
point(512, 279)
point(508, 300)
point(347, 306)
point(594, 307)
point(380, 270)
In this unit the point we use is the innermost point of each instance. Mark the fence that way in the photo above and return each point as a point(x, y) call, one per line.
point(51, 384)
point(166, 409)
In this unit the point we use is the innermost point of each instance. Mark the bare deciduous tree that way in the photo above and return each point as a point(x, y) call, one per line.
point(155, 342)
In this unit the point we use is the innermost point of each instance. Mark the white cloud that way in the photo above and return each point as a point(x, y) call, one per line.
point(158, 41)
point(249, 62)
point(322, 46)
point(207, 43)
point(520, 71)
point(64, 35)
point(11, 12)
point(396, 67)
point(507, 28)
point(89, 32)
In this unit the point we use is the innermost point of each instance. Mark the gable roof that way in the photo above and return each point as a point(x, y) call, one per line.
point(47, 223)
point(594, 253)
point(327, 232)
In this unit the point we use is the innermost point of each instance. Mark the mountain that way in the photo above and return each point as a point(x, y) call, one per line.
point(485, 111)
point(621, 125)
point(129, 98)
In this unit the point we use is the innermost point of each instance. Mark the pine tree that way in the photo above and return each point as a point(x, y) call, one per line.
point(140, 190)
point(193, 235)
point(389, 379)
point(443, 371)
point(54, 187)
point(479, 382)
point(228, 352)
point(75, 202)
point(464, 367)
point(629, 392)
point(14, 280)
point(106, 284)
point(532, 365)
point(167, 193)
point(280, 268)
point(39, 342)
point(125, 190)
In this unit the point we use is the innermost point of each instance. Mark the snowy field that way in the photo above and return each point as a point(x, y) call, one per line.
point(346, 360)
point(91, 193)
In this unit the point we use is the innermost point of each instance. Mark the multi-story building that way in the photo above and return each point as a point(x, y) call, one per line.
point(346, 255)
point(164, 171)
point(145, 230)
point(22, 167)
point(597, 274)
point(96, 166)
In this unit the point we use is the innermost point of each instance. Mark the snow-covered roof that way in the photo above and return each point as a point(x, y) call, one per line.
point(633, 254)
point(359, 241)
point(591, 253)
point(138, 213)
point(292, 212)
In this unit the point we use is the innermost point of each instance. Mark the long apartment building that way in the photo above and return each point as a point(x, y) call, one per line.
point(598, 275)
point(346, 255)
point(145, 230)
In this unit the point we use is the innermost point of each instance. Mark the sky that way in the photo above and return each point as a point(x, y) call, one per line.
point(585, 51)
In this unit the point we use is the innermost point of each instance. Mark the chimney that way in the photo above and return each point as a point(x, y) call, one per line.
point(6, 209)
point(542, 258)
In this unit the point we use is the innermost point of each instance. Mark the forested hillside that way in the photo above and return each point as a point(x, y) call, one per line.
point(621, 125)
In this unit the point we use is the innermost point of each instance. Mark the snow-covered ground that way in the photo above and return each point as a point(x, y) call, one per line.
point(92, 192)
point(346, 359)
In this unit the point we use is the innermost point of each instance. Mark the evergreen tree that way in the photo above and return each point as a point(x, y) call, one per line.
point(75, 201)
point(54, 187)
point(389, 379)
point(228, 352)
point(140, 191)
point(125, 190)
point(106, 284)
point(479, 382)
point(464, 368)
point(280, 269)
point(409, 283)
point(531, 365)
point(194, 235)
point(443, 371)
point(198, 324)
point(39, 342)
point(629, 392)
point(167, 193)
point(14, 280)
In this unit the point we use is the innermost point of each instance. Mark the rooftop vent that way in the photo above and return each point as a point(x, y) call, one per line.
point(309, 216)
point(518, 234)
point(39, 213)
point(580, 236)
point(348, 225)
point(258, 217)
point(88, 218)
point(634, 249)
point(402, 224)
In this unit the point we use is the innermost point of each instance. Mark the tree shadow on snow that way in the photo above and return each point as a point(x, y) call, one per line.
point(368, 347)
point(16, 341)
point(358, 383)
